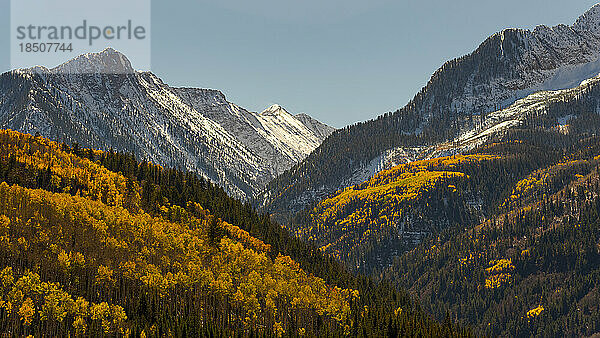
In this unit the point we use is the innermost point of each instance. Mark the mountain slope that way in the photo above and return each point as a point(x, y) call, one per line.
point(369, 224)
point(95, 235)
point(89, 251)
point(532, 268)
point(318, 128)
point(506, 67)
point(99, 101)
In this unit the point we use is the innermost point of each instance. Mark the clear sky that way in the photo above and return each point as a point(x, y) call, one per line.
point(341, 61)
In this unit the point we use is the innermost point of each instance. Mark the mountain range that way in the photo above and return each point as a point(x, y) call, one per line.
point(474, 209)
point(506, 67)
point(481, 195)
point(403, 204)
point(99, 101)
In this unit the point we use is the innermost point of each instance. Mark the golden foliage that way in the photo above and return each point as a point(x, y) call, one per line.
point(92, 180)
point(38, 300)
point(163, 255)
point(27, 311)
point(380, 202)
point(496, 281)
point(498, 273)
point(88, 223)
point(535, 183)
point(500, 265)
point(535, 312)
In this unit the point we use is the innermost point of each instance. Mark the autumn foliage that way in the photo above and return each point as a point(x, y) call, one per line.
point(383, 206)
point(82, 256)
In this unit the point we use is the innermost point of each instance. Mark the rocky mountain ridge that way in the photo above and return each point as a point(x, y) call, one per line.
point(98, 100)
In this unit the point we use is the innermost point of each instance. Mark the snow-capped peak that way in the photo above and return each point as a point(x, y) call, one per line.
point(589, 21)
point(108, 61)
point(189, 128)
point(275, 110)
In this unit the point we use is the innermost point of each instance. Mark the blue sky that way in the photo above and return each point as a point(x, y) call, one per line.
point(341, 61)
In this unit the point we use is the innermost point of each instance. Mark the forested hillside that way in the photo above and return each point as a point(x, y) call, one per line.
point(368, 224)
point(472, 210)
point(95, 243)
point(531, 269)
point(505, 238)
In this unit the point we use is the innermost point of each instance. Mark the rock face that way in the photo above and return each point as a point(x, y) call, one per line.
point(506, 67)
point(99, 101)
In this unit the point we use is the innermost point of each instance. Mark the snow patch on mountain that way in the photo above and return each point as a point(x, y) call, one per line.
point(495, 123)
point(288, 133)
point(547, 58)
point(274, 135)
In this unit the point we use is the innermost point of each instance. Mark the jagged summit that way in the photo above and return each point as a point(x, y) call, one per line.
point(590, 20)
point(190, 128)
point(303, 116)
point(108, 61)
point(274, 110)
